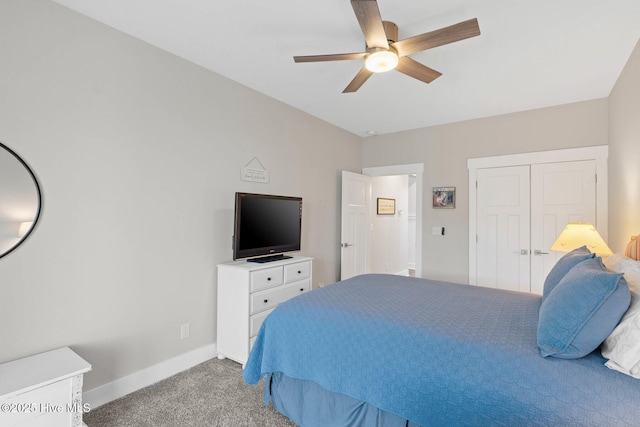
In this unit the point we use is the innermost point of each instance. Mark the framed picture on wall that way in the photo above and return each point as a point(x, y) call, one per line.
point(444, 197)
point(386, 206)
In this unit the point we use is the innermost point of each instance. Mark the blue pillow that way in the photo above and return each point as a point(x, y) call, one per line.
point(582, 310)
point(562, 267)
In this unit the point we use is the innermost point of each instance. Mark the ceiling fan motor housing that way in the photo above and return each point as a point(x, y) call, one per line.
point(391, 30)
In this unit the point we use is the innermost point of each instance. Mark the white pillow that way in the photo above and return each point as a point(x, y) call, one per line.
point(619, 263)
point(631, 265)
point(622, 346)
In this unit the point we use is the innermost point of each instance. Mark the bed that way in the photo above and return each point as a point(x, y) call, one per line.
point(385, 350)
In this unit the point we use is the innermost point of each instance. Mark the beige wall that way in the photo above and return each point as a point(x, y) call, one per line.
point(444, 150)
point(139, 154)
point(624, 155)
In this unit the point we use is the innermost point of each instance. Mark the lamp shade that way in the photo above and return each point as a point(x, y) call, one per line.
point(579, 234)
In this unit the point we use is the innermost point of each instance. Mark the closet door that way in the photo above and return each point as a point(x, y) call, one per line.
point(560, 193)
point(503, 220)
point(563, 188)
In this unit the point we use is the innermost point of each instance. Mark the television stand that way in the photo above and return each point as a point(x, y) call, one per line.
point(247, 293)
point(270, 258)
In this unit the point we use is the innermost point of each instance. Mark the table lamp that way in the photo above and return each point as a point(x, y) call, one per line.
point(577, 234)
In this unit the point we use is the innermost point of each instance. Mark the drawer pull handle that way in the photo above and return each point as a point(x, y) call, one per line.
point(299, 272)
point(266, 301)
point(301, 289)
point(268, 279)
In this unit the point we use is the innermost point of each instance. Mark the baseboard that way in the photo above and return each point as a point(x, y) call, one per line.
point(403, 273)
point(121, 387)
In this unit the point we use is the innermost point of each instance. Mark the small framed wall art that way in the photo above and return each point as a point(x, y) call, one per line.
point(386, 206)
point(444, 197)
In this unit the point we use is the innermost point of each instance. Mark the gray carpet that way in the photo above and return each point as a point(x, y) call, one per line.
point(211, 394)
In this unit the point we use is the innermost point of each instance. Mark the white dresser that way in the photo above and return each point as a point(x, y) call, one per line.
point(248, 292)
point(43, 390)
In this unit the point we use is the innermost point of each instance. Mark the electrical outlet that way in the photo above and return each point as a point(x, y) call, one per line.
point(184, 331)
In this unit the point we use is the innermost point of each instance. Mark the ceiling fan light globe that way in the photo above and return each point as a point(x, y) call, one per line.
point(379, 62)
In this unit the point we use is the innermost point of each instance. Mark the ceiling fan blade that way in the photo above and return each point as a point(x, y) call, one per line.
point(358, 80)
point(416, 70)
point(333, 57)
point(370, 21)
point(453, 33)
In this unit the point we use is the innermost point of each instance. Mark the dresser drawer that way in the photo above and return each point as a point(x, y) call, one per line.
point(256, 321)
point(264, 300)
point(39, 407)
point(297, 271)
point(266, 278)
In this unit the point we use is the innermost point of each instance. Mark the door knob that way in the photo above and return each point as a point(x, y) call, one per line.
point(538, 252)
point(346, 245)
point(524, 251)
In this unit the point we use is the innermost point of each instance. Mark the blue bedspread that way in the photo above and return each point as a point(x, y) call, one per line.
point(438, 353)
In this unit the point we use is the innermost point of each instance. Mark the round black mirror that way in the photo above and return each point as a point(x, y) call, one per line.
point(20, 200)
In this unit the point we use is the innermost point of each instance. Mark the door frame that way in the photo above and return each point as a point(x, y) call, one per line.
point(599, 153)
point(416, 169)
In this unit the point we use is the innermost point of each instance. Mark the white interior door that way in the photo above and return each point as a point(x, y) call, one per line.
point(560, 193)
point(356, 199)
point(503, 218)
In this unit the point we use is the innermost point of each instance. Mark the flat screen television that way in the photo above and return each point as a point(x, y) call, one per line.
point(266, 225)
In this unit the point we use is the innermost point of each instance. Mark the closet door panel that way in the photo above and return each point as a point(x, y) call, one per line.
point(503, 218)
point(560, 193)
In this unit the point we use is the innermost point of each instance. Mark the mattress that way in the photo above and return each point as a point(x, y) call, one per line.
point(437, 353)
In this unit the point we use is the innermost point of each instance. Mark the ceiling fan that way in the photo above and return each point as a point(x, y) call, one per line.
point(383, 50)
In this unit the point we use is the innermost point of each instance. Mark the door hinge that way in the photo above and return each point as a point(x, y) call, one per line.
point(596, 178)
point(476, 184)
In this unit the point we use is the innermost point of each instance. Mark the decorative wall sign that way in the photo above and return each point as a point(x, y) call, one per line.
point(254, 171)
point(444, 197)
point(386, 206)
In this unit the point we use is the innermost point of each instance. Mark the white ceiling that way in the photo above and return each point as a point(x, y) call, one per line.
point(530, 54)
